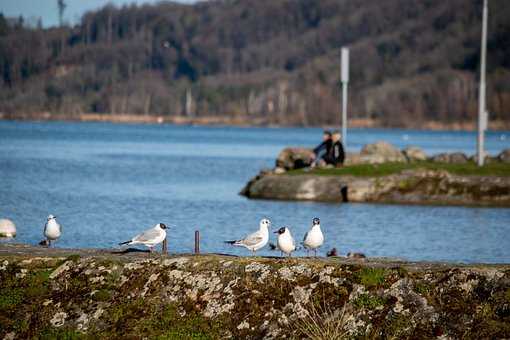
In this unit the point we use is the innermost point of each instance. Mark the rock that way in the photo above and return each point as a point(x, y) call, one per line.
point(488, 159)
point(381, 152)
point(504, 156)
point(294, 158)
point(414, 154)
point(356, 256)
point(278, 170)
point(454, 158)
point(458, 158)
point(441, 158)
point(411, 186)
point(353, 158)
point(7, 228)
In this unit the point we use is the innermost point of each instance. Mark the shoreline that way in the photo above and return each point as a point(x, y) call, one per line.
point(495, 126)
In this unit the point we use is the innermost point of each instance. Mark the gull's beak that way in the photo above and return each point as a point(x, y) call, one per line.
point(275, 232)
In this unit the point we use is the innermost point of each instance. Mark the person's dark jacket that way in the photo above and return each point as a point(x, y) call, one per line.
point(326, 146)
point(336, 155)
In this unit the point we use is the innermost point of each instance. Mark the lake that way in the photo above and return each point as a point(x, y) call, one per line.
point(106, 182)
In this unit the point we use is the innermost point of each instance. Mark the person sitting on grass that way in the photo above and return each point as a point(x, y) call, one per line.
point(322, 150)
point(336, 155)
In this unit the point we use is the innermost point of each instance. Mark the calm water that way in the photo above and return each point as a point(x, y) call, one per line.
point(106, 182)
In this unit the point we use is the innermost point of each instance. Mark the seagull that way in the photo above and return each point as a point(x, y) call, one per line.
point(313, 238)
point(52, 229)
point(150, 237)
point(285, 242)
point(256, 240)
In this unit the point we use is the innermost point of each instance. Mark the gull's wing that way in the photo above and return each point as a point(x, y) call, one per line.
point(306, 235)
point(251, 239)
point(147, 235)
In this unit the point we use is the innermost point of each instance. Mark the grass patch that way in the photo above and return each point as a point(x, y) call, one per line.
point(422, 288)
point(369, 301)
point(372, 277)
point(385, 169)
point(102, 295)
point(10, 298)
point(323, 323)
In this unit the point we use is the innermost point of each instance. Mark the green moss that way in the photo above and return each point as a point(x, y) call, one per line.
point(10, 297)
point(422, 288)
point(73, 257)
point(369, 301)
point(371, 277)
point(102, 295)
point(368, 170)
point(51, 333)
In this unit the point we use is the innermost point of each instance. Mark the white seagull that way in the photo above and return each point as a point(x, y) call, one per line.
point(256, 240)
point(52, 229)
point(285, 242)
point(313, 238)
point(150, 237)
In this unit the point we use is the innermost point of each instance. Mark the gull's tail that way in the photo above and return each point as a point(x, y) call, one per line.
point(127, 242)
point(234, 242)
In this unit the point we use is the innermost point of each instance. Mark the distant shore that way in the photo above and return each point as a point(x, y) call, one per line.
point(237, 120)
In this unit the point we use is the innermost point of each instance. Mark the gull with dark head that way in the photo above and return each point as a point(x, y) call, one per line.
point(149, 238)
point(313, 238)
point(256, 240)
point(285, 241)
point(52, 230)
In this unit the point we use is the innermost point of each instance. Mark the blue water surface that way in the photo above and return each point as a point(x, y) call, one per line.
point(106, 182)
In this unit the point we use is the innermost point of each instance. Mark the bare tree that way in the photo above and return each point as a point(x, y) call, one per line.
point(61, 8)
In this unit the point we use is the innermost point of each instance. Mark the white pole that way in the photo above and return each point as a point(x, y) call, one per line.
point(482, 120)
point(345, 81)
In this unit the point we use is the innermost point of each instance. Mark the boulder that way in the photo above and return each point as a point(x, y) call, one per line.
point(488, 159)
point(7, 228)
point(504, 156)
point(352, 158)
point(414, 154)
point(441, 158)
point(458, 158)
point(294, 158)
point(381, 152)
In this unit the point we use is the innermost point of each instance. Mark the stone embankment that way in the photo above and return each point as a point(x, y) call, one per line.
point(411, 186)
point(96, 294)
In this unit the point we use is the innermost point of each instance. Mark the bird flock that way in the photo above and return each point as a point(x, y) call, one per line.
point(312, 240)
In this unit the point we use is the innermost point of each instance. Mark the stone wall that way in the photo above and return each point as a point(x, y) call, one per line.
point(94, 294)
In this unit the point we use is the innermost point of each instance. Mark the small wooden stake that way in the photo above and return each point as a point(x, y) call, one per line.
point(197, 242)
point(164, 247)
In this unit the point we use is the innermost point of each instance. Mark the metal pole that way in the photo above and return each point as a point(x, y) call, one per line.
point(482, 120)
point(197, 242)
point(344, 78)
point(344, 114)
point(164, 246)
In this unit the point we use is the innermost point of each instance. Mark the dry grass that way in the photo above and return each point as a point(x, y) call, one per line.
point(323, 324)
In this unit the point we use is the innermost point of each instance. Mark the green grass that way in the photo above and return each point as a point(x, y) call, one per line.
point(372, 277)
point(375, 170)
point(369, 301)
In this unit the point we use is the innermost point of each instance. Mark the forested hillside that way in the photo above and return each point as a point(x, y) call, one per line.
point(265, 61)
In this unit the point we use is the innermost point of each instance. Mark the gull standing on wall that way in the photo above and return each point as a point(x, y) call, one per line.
point(149, 238)
point(285, 242)
point(52, 230)
point(313, 238)
point(256, 240)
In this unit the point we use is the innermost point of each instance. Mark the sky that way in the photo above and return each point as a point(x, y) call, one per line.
point(48, 12)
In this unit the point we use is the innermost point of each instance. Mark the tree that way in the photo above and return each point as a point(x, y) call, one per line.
point(61, 8)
